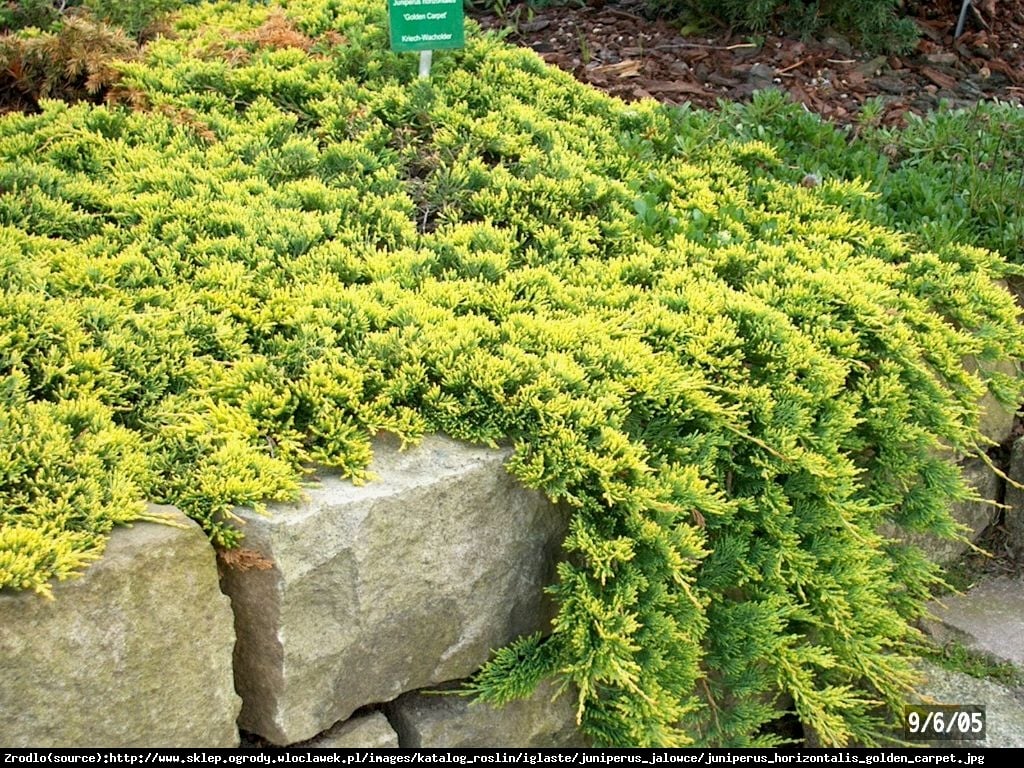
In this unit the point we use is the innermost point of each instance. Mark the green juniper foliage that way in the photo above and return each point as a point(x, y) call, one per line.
point(730, 381)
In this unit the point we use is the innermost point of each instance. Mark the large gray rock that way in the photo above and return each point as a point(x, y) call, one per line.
point(134, 653)
point(371, 731)
point(996, 419)
point(1004, 707)
point(988, 618)
point(1013, 519)
point(453, 721)
point(407, 581)
point(975, 515)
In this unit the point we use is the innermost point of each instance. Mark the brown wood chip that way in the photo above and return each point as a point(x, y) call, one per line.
point(673, 86)
point(627, 68)
point(653, 58)
point(940, 79)
point(1015, 75)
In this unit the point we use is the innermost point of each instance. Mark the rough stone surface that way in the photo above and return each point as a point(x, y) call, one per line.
point(1013, 519)
point(996, 419)
point(988, 618)
point(976, 515)
point(451, 721)
point(1004, 707)
point(371, 731)
point(134, 653)
point(405, 582)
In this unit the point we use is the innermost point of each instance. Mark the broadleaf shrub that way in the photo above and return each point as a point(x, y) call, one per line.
point(135, 17)
point(730, 380)
point(875, 24)
point(954, 176)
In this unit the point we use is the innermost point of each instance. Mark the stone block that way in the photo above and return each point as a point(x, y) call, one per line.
point(1004, 707)
point(1013, 517)
point(975, 515)
point(996, 422)
point(134, 653)
point(989, 619)
point(407, 581)
point(444, 720)
point(372, 731)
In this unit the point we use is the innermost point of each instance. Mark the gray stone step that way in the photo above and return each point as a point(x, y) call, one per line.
point(1004, 707)
point(134, 653)
point(405, 582)
point(989, 619)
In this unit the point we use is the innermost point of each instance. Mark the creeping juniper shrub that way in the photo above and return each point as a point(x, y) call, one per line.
point(69, 49)
point(730, 381)
point(77, 61)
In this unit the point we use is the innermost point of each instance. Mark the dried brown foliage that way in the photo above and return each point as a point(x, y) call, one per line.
point(277, 32)
point(74, 62)
point(244, 560)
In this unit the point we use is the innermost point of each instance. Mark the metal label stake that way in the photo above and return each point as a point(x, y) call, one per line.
point(962, 20)
point(425, 26)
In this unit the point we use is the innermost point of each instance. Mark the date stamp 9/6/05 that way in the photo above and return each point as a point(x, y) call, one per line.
point(940, 722)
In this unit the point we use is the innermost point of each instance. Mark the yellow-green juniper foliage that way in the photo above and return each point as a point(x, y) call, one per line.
point(730, 382)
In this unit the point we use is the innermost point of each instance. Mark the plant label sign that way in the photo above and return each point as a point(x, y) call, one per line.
point(426, 25)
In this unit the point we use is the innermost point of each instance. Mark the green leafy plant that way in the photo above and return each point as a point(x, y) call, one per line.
point(135, 17)
point(731, 381)
point(973, 163)
point(875, 24)
point(953, 176)
point(40, 14)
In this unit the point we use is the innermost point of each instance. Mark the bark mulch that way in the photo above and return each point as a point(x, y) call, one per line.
point(618, 48)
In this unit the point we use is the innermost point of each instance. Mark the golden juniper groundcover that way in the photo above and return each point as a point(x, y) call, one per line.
point(287, 243)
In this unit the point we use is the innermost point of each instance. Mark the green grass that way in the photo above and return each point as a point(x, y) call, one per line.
point(956, 657)
point(730, 379)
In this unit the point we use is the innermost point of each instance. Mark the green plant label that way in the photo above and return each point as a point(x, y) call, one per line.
point(423, 25)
